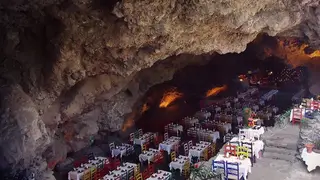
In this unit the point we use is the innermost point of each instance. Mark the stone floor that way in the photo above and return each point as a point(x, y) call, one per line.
point(279, 161)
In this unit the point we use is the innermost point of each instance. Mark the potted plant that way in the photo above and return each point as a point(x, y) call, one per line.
point(314, 144)
point(200, 172)
point(316, 147)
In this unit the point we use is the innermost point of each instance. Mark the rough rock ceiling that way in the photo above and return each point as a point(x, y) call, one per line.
point(60, 58)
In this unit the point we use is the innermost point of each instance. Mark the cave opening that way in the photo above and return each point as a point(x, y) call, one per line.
point(195, 82)
point(193, 87)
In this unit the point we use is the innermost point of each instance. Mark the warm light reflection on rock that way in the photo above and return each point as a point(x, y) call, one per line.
point(129, 121)
point(315, 54)
point(291, 50)
point(216, 90)
point(169, 97)
point(144, 108)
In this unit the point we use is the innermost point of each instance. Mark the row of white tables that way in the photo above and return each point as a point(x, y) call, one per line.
point(198, 149)
point(78, 172)
point(120, 171)
point(257, 146)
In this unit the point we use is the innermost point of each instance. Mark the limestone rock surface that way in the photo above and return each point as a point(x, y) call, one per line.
point(310, 132)
point(71, 68)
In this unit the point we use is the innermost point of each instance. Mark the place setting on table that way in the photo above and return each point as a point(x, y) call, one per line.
point(244, 163)
point(78, 172)
point(179, 162)
point(255, 131)
point(169, 144)
point(120, 171)
point(214, 135)
point(143, 139)
point(148, 155)
point(197, 150)
point(119, 150)
point(257, 145)
point(159, 175)
point(112, 175)
point(226, 126)
point(191, 121)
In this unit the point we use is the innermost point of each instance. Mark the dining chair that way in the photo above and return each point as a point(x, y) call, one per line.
point(249, 146)
point(232, 171)
point(173, 155)
point(242, 150)
point(219, 165)
point(231, 149)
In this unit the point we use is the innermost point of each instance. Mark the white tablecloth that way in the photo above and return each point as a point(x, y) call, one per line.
point(244, 165)
point(163, 175)
point(179, 162)
point(142, 139)
point(250, 133)
point(312, 160)
point(120, 171)
point(191, 121)
point(257, 145)
point(177, 128)
point(148, 155)
point(227, 127)
point(119, 150)
point(198, 149)
point(78, 172)
point(169, 144)
point(202, 132)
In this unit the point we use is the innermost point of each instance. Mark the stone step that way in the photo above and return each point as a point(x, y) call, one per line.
point(277, 156)
point(284, 145)
point(280, 150)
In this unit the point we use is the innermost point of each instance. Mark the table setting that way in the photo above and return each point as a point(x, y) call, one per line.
point(191, 121)
point(244, 164)
point(144, 138)
point(120, 171)
point(179, 162)
point(148, 155)
point(214, 135)
point(255, 132)
point(77, 173)
point(257, 145)
point(169, 144)
point(160, 174)
point(119, 150)
point(198, 149)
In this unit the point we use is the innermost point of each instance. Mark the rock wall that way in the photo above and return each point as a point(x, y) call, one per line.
point(310, 132)
point(69, 67)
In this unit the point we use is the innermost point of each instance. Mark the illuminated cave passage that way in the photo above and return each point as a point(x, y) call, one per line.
point(78, 75)
point(196, 85)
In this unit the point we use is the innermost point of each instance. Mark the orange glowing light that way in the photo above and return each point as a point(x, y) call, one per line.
point(216, 90)
point(169, 97)
point(292, 51)
point(315, 54)
point(144, 108)
point(129, 122)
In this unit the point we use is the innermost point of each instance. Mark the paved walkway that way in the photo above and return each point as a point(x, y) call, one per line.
point(279, 161)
